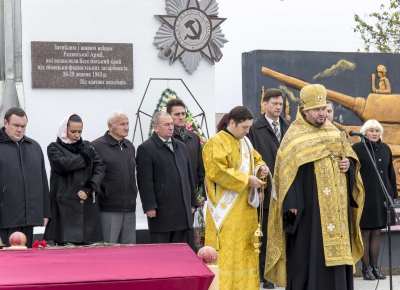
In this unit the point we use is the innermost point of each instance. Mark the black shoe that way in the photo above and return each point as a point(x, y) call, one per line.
point(268, 285)
point(367, 273)
point(376, 272)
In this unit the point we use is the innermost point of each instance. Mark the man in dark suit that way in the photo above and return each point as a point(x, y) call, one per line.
point(177, 109)
point(165, 183)
point(265, 135)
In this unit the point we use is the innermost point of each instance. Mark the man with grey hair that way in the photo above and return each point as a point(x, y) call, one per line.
point(165, 182)
point(117, 199)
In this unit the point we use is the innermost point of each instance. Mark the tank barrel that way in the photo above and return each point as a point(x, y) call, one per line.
point(384, 108)
point(342, 99)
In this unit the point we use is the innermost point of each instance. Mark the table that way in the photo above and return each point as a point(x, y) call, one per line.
point(144, 267)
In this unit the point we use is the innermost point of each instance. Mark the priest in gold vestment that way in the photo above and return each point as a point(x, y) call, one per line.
point(314, 239)
point(232, 166)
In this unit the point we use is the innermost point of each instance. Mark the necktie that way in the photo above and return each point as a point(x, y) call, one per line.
point(168, 144)
point(276, 130)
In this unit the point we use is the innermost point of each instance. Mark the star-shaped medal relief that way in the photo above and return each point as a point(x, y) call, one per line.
point(190, 29)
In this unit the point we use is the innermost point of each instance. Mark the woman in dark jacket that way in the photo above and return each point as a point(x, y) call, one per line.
point(76, 175)
point(373, 218)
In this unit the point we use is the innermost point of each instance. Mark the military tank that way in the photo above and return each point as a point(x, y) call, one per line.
point(384, 108)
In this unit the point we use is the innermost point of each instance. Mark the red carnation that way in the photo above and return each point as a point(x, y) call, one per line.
point(35, 245)
point(44, 244)
point(39, 245)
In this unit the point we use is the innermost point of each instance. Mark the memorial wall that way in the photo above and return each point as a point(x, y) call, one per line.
point(92, 57)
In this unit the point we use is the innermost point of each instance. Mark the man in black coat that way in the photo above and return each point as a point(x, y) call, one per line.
point(176, 108)
point(265, 135)
point(118, 190)
point(165, 182)
point(24, 191)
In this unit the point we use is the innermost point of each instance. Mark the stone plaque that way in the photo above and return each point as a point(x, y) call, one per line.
point(82, 65)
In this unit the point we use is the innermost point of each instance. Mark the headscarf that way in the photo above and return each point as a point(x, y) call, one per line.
point(62, 130)
point(63, 139)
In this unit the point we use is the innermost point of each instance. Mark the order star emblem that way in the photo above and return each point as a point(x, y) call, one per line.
point(190, 30)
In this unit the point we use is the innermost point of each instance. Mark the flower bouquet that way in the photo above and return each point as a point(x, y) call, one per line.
point(199, 224)
point(191, 122)
point(192, 125)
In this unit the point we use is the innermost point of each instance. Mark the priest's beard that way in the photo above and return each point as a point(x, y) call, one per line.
point(316, 123)
point(314, 120)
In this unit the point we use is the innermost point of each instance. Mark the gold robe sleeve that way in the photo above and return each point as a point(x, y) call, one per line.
point(258, 162)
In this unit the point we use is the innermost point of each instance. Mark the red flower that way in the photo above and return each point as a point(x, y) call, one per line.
point(190, 127)
point(35, 245)
point(44, 244)
point(39, 245)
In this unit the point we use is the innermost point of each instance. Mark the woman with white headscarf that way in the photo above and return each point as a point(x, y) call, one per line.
point(76, 176)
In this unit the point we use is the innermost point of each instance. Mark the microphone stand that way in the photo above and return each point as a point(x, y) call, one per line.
point(389, 205)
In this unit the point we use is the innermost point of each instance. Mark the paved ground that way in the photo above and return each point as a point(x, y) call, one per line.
point(360, 284)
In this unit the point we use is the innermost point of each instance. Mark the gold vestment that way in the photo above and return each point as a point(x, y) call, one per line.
point(304, 143)
point(238, 264)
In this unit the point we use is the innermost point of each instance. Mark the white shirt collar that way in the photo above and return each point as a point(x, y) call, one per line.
point(270, 121)
point(164, 139)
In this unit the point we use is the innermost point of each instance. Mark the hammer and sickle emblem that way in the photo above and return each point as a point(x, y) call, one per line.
point(196, 34)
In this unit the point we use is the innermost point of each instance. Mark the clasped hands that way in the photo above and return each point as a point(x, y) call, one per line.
point(254, 181)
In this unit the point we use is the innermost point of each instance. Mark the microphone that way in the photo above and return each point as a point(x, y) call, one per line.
point(353, 133)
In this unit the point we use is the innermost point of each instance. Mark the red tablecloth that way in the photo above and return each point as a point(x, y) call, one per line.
point(144, 267)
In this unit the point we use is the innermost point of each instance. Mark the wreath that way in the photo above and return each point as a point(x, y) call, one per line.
point(191, 122)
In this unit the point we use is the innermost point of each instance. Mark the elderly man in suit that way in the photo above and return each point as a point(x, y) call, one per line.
point(265, 135)
point(166, 184)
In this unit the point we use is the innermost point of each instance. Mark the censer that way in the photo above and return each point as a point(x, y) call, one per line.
point(256, 237)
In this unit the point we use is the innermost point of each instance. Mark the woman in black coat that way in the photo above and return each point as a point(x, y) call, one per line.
point(75, 179)
point(373, 218)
